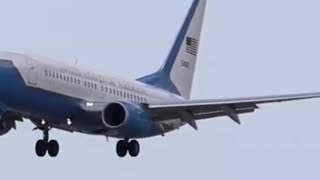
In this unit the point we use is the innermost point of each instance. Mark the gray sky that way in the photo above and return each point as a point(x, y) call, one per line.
point(249, 48)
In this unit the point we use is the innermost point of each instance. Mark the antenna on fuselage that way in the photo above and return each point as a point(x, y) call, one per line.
point(76, 62)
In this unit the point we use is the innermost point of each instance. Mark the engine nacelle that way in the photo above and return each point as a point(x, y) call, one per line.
point(129, 118)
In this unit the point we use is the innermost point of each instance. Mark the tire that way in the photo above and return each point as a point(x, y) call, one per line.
point(134, 148)
point(53, 148)
point(122, 148)
point(41, 148)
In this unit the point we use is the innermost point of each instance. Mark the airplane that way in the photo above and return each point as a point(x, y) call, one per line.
point(54, 94)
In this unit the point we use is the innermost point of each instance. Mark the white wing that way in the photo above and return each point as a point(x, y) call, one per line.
point(192, 110)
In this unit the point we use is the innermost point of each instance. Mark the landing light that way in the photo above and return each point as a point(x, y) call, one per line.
point(69, 122)
point(90, 104)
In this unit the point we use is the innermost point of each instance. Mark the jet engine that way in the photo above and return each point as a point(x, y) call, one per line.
point(129, 118)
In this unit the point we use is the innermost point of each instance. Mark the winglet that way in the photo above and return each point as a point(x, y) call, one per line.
point(231, 113)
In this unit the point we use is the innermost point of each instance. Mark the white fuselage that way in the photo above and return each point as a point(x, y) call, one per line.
point(80, 83)
point(72, 81)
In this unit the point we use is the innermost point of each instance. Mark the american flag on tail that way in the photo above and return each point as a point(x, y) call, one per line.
point(192, 46)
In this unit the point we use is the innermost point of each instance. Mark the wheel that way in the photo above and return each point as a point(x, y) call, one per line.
point(122, 148)
point(41, 148)
point(134, 148)
point(53, 148)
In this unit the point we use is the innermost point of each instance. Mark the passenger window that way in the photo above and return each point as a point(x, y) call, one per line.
point(46, 72)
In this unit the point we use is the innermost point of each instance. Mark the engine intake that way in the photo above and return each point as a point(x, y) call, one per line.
point(114, 115)
point(127, 119)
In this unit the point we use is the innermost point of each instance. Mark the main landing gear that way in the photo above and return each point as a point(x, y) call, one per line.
point(124, 147)
point(44, 145)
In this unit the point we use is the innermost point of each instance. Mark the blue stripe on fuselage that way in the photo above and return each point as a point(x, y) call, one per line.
point(37, 103)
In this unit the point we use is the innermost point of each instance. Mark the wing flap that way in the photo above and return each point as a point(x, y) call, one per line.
point(201, 116)
point(203, 112)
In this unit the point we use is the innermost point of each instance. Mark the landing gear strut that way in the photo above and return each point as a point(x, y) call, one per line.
point(124, 146)
point(44, 145)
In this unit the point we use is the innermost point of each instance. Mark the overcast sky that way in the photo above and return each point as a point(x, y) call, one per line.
point(248, 48)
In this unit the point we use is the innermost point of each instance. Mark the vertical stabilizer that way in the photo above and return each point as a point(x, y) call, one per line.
point(176, 74)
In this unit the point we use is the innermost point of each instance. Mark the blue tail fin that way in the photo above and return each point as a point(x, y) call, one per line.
point(176, 75)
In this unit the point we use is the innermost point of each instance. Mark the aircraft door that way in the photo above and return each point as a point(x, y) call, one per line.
point(32, 76)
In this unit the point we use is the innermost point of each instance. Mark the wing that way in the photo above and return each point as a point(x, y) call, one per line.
point(192, 110)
